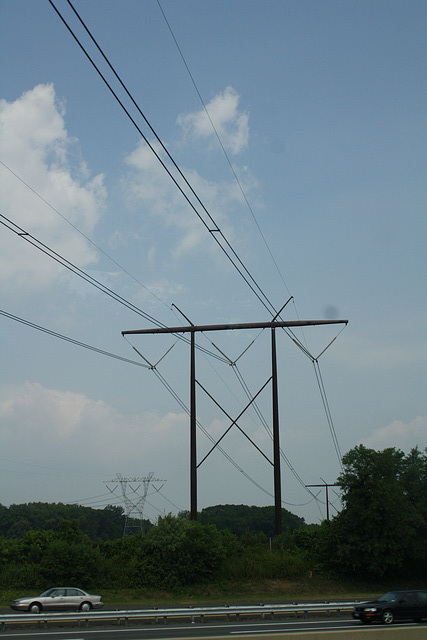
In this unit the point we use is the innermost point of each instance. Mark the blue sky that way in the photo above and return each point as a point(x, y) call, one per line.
point(320, 110)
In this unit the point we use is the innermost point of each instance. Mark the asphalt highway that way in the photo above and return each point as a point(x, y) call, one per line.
point(341, 627)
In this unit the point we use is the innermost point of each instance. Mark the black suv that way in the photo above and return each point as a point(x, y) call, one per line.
point(394, 605)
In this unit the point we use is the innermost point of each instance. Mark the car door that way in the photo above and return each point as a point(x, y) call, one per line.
point(55, 601)
point(74, 598)
point(407, 605)
point(421, 606)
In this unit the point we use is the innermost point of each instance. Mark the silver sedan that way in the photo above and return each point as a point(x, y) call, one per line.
point(58, 599)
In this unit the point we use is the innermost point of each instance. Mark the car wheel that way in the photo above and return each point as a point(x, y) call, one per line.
point(388, 616)
point(35, 607)
point(85, 606)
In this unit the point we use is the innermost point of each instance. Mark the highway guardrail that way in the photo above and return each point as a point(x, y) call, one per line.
point(195, 614)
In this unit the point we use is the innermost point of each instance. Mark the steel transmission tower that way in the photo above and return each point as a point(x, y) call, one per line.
point(134, 500)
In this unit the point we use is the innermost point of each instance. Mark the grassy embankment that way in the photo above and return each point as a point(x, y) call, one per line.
point(261, 591)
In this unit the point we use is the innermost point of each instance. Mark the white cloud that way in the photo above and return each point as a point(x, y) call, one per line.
point(151, 192)
point(36, 146)
point(230, 123)
point(404, 436)
point(70, 434)
point(163, 289)
point(150, 188)
point(61, 446)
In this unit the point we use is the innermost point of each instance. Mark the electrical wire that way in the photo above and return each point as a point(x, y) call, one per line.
point(257, 290)
point(230, 164)
point(328, 412)
point(254, 404)
point(287, 330)
point(82, 234)
point(170, 501)
point(32, 240)
point(28, 323)
point(215, 232)
point(78, 343)
point(207, 434)
point(25, 235)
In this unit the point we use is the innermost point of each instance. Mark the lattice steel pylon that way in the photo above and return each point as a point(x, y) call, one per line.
point(134, 505)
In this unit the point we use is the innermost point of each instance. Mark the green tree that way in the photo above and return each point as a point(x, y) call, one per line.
point(241, 519)
point(414, 478)
point(384, 495)
point(99, 525)
point(178, 552)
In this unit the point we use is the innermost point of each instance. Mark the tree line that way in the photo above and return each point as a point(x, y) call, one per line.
point(381, 533)
point(98, 524)
point(108, 523)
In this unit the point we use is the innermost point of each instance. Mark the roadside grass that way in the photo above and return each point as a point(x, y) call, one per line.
point(227, 592)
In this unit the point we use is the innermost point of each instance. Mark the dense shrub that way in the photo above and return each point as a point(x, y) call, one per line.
point(179, 552)
point(380, 533)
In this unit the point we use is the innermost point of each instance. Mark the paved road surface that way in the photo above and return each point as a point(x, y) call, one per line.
point(227, 630)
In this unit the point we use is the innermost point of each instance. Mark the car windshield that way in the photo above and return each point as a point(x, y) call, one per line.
point(390, 596)
point(47, 593)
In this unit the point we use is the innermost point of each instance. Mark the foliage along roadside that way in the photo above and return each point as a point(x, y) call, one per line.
point(379, 535)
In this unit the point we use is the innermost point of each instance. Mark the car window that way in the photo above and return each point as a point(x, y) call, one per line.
point(390, 596)
point(58, 592)
point(408, 597)
point(422, 597)
point(72, 592)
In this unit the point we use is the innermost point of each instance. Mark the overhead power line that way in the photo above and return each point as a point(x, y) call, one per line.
point(33, 241)
point(78, 343)
point(203, 214)
point(86, 237)
point(28, 237)
point(230, 164)
point(209, 223)
point(45, 249)
point(207, 434)
point(328, 412)
point(215, 232)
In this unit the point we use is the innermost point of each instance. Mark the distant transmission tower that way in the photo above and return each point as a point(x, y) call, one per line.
point(134, 505)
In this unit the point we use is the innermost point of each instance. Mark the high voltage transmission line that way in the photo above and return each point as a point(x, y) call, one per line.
point(28, 237)
point(45, 249)
point(230, 164)
point(58, 258)
point(193, 329)
point(84, 235)
point(32, 240)
point(215, 231)
point(78, 343)
point(204, 215)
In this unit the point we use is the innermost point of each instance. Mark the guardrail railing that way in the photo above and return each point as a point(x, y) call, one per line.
point(164, 615)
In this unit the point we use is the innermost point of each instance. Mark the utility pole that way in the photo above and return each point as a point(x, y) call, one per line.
point(193, 330)
point(276, 444)
point(326, 485)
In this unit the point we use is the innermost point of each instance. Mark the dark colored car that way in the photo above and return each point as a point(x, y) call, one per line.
point(58, 599)
point(394, 605)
